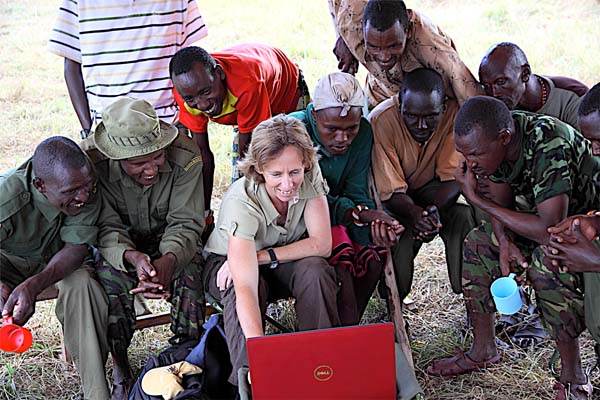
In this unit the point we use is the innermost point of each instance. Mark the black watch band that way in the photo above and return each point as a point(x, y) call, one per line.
point(273, 257)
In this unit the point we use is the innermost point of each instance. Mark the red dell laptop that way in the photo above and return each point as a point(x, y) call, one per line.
point(355, 362)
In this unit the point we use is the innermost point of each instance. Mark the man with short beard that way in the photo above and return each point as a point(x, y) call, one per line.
point(48, 214)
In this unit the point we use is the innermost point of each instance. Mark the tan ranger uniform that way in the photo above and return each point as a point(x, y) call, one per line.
point(31, 232)
point(248, 213)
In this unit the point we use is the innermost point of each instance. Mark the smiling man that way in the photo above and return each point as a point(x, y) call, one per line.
point(150, 224)
point(551, 166)
point(389, 41)
point(506, 75)
point(414, 159)
point(242, 85)
point(48, 214)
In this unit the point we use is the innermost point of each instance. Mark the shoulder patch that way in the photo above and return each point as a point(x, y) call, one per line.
point(183, 151)
point(193, 161)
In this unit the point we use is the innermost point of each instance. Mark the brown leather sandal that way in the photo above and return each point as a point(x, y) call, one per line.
point(459, 364)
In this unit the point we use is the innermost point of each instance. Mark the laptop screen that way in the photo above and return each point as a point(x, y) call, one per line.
point(354, 362)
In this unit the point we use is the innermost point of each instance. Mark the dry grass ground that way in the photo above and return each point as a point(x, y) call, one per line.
point(559, 36)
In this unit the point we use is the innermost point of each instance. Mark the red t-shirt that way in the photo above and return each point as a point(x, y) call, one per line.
point(261, 82)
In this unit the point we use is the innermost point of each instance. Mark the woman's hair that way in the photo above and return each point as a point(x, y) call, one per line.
point(269, 139)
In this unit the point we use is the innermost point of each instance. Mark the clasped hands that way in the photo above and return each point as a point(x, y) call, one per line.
point(385, 230)
point(570, 247)
point(155, 276)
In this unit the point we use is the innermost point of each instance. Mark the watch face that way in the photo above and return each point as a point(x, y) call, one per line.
point(274, 264)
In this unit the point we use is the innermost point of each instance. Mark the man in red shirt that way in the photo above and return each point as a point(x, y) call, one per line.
point(242, 85)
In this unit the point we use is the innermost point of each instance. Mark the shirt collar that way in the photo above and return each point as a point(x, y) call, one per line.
point(39, 201)
point(313, 129)
point(265, 202)
point(307, 191)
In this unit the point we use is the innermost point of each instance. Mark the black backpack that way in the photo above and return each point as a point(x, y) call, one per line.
point(211, 354)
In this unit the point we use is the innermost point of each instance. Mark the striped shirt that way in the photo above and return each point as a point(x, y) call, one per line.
point(124, 47)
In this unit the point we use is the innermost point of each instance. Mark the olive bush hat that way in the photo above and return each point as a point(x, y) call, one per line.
point(130, 128)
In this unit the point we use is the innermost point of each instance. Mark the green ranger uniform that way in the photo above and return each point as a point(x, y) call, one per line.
point(346, 175)
point(555, 159)
point(32, 231)
point(167, 216)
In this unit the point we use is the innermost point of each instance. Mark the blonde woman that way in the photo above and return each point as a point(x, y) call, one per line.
point(272, 238)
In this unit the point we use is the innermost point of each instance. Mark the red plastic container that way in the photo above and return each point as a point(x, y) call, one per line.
point(14, 338)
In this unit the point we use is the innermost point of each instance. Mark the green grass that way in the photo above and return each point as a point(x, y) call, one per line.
point(559, 37)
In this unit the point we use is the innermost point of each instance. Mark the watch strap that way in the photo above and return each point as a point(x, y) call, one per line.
point(273, 257)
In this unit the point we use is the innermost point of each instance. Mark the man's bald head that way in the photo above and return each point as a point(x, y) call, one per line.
point(63, 174)
point(504, 72)
point(57, 153)
point(505, 52)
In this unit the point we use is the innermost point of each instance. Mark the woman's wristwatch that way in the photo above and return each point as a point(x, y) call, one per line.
point(274, 261)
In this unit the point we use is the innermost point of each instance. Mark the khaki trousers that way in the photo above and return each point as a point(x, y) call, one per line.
point(82, 309)
point(311, 281)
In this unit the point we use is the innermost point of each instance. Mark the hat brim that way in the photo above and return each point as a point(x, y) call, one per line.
point(115, 152)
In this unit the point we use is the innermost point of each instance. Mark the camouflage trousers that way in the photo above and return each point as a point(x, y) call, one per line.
point(559, 295)
point(187, 303)
point(592, 301)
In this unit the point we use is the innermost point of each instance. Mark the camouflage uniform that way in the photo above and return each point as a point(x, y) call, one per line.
point(164, 217)
point(592, 301)
point(555, 159)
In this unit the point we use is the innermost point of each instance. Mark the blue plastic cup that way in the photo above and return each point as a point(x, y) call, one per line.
point(505, 292)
